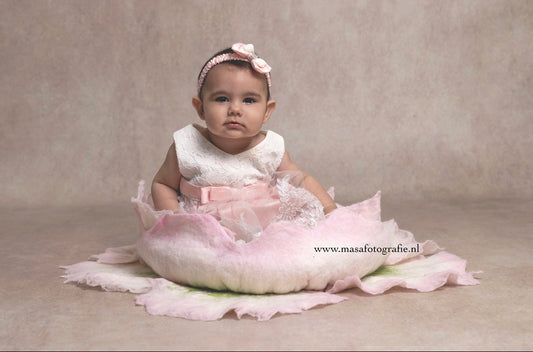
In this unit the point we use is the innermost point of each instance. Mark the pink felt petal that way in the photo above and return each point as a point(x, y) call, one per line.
point(168, 298)
point(422, 273)
point(118, 255)
point(119, 278)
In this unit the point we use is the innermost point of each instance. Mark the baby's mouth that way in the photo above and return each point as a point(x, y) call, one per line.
point(234, 124)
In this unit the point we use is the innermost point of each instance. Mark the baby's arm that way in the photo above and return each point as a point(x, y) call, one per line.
point(310, 183)
point(166, 183)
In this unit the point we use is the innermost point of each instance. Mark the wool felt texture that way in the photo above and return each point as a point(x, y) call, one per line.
point(185, 265)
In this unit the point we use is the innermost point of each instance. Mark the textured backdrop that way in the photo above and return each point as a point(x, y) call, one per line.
point(419, 99)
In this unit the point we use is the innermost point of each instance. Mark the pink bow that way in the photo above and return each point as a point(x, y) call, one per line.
point(247, 51)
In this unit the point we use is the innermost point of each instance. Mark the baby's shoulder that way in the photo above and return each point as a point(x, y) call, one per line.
point(274, 139)
point(189, 134)
point(187, 130)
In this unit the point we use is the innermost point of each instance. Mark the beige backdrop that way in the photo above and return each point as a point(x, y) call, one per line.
point(419, 99)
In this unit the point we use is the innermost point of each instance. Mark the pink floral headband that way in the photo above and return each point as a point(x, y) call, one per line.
point(243, 52)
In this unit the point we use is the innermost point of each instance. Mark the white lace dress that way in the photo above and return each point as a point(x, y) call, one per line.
point(204, 164)
point(244, 192)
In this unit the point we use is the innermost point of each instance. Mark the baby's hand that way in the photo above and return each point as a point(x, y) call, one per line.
point(328, 209)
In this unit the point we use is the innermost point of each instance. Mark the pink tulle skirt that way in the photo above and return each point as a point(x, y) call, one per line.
point(244, 213)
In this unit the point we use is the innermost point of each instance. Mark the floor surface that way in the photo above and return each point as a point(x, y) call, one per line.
point(40, 312)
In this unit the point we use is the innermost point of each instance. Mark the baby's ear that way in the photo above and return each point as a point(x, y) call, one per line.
point(271, 105)
point(198, 106)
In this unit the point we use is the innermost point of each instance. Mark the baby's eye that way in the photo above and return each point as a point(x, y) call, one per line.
point(221, 99)
point(249, 100)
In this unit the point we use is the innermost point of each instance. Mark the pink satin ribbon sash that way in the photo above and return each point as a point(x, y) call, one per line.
point(223, 193)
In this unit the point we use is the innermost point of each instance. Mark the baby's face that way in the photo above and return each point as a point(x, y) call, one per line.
point(234, 102)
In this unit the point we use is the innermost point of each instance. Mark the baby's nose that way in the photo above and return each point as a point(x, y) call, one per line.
point(235, 109)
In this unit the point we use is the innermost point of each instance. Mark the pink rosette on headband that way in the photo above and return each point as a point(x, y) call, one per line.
point(241, 52)
point(247, 51)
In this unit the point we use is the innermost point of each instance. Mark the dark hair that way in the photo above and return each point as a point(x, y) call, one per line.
point(238, 63)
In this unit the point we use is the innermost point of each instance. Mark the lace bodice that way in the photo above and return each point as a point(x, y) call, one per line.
point(203, 164)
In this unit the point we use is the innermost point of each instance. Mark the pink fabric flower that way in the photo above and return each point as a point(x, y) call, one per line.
point(247, 51)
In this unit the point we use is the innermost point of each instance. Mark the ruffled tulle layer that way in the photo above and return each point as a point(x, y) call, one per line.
point(186, 265)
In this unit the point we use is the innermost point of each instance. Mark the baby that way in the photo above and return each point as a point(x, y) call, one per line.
point(232, 158)
point(234, 213)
